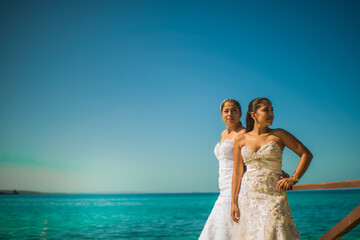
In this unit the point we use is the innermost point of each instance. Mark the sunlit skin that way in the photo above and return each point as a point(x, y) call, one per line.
point(231, 115)
point(260, 135)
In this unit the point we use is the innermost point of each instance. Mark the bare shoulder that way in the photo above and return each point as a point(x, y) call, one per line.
point(223, 132)
point(240, 136)
point(287, 138)
point(241, 132)
point(280, 133)
point(280, 136)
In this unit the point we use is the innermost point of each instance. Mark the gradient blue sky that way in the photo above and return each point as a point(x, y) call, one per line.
point(123, 96)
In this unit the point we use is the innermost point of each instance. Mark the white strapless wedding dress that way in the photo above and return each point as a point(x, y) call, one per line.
point(264, 211)
point(219, 225)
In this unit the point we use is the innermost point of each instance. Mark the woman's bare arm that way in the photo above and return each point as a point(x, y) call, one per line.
point(305, 158)
point(236, 179)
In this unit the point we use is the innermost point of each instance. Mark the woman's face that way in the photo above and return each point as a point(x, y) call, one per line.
point(231, 113)
point(264, 114)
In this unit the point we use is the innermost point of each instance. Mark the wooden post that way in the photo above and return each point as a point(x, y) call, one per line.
point(344, 226)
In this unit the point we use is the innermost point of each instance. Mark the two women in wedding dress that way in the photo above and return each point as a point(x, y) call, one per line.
point(264, 210)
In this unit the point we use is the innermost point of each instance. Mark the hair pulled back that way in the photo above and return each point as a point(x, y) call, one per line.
point(253, 107)
point(237, 104)
point(231, 101)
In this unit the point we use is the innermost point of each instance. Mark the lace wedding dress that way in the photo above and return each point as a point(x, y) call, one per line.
point(219, 225)
point(264, 211)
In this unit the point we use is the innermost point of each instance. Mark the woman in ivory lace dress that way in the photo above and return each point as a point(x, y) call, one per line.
point(219, 225)
point(261, 208)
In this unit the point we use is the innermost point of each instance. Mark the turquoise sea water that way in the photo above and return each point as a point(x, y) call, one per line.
point(151, 216)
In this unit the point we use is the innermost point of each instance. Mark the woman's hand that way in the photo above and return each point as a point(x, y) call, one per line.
point(235, 214)
point(284, 175)
point(285, 183)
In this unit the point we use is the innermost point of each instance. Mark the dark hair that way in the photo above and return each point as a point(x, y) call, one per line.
point(253, 107)
point(237, 104)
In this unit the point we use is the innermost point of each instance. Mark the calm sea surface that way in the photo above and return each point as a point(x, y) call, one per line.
point(151, 216)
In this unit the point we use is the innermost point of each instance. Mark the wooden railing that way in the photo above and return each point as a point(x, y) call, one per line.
point(347, 223)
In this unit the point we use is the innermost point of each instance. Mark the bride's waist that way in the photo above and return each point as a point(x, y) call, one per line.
point(263, 165)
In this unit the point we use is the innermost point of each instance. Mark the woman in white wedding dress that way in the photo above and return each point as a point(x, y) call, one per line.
point(261, 209)
point(219, 225)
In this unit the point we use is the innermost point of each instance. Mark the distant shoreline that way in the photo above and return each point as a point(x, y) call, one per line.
point(15, 192)
point(22, 192)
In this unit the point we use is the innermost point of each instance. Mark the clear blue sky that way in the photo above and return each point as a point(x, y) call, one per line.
point(123, 96)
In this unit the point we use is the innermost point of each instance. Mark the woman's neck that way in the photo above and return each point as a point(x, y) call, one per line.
point(258, 130)
point(233, 127)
